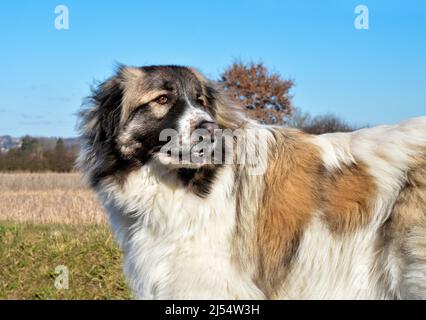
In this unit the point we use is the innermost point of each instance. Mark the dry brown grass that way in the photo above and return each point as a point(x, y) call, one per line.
point(48, 198)
point(19, 181)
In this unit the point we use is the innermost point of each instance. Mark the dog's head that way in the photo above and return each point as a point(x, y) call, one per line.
point(168, 114)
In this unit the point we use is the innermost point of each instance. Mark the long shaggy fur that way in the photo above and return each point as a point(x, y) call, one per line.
point(335, 216)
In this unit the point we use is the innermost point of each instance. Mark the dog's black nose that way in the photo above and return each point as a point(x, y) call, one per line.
point(209, 126)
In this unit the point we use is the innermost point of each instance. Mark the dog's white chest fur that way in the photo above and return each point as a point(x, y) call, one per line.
point(176, 244)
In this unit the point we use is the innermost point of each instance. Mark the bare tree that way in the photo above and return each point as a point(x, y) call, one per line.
point(263, 94)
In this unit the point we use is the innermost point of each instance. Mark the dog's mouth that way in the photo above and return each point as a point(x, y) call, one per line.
point(186, 157)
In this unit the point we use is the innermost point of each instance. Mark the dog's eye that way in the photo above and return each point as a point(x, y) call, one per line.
point(162, 99)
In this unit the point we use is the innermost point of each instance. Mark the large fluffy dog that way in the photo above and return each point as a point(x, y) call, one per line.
point(332, 216)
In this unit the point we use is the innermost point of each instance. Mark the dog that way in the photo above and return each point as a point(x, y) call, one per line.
point(280, 214)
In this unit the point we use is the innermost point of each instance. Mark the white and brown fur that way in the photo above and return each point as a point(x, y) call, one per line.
point(334, 216)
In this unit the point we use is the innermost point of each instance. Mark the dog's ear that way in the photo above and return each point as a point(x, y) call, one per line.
point(99, 122)
point(108, 100)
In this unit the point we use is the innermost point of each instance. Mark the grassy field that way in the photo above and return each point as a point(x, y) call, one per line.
point(50, 220)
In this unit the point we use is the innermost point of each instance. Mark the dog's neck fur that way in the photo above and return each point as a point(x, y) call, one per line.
point(179, 244)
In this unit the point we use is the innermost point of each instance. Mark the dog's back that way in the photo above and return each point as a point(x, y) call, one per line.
point(368, 236)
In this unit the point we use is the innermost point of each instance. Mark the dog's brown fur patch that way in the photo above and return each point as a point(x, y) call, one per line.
point(296, 186)
point(348, 198)
point(290, 199)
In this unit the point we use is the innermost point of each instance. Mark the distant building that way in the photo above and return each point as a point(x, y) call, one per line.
point(8, 142)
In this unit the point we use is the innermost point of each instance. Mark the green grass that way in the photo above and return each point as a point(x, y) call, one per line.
point(30, 253)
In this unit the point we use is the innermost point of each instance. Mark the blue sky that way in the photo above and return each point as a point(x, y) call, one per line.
point(369, 76)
